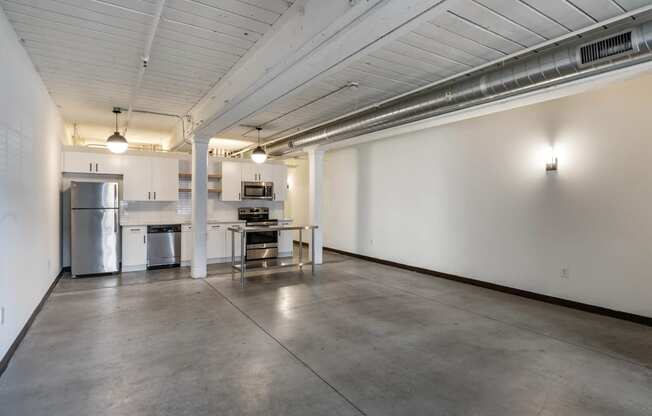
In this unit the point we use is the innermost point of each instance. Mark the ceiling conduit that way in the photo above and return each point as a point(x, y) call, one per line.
point(156, 19)
point(593, 54)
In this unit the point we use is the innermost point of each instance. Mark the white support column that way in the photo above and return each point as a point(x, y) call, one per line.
point(315, 192)
point(199, 206)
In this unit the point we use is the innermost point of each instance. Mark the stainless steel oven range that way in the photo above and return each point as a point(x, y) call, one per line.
point(260, 244)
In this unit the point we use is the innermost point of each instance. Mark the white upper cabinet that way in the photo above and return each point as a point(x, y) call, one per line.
point(150, 178)
point(164, 179)
point(266, 172)
point(254, 172)
point(280, 179)
point(83, 162)
point(136, 184)
point(234, 173)
point(231, 180)
point(250, 172)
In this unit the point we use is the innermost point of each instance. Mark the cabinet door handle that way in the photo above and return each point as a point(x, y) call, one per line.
point(154, 195)
point(90, 167)
point(144, 239)
point(239, 197)
point(149, 195)
point(96, 167)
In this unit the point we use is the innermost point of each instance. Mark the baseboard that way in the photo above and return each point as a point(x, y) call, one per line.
point(21, 335)
point(599, 310)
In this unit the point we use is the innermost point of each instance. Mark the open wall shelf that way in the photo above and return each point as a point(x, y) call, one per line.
point(210, 190)
point(211, 176)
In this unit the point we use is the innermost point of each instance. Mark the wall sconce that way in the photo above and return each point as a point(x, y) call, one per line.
point(551, 163)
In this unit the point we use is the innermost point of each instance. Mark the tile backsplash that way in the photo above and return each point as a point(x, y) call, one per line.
point(181, 210)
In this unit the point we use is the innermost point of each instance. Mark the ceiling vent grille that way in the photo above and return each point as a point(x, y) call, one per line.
point(606, 48)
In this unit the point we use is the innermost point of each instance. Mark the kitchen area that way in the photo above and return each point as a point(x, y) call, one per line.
point(132, 212)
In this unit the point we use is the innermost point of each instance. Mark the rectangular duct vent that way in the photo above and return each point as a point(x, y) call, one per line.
point(606, 48)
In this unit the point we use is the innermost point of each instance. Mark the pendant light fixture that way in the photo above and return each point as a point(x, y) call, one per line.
point(117, 142)
point(259, 155)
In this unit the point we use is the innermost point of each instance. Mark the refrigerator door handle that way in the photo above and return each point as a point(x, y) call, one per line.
point(115, 220)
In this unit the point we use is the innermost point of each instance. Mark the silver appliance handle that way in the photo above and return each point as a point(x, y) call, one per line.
point(115, 222)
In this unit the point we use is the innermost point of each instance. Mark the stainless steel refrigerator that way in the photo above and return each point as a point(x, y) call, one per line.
point(94, 228)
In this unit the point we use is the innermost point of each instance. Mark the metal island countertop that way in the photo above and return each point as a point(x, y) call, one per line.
point(243, 266)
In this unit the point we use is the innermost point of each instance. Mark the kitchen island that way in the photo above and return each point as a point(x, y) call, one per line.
point(266, 264)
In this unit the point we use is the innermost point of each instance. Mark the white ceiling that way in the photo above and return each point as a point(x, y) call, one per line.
point(88, 53)
point(469, 34)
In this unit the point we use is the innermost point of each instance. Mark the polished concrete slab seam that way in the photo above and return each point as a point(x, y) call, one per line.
point(520, 327)
point(297, 358)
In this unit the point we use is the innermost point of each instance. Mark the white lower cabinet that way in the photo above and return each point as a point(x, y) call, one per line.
point(285, 243)
point(186, 245)
point(218, 244)
point(134, 248)
point(236, 243)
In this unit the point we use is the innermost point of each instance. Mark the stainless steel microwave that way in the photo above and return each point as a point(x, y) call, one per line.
point(258, 190)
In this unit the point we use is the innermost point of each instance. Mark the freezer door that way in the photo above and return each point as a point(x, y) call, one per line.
point(85, 195)
point(94, 241)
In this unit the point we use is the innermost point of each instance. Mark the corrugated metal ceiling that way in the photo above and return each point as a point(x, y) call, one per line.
point(469, 34)
point(88, 53)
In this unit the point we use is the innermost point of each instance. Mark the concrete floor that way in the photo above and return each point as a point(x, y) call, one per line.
point(359, 338)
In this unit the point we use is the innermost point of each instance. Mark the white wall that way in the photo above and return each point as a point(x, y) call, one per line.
point(296, 204)
point(473, 199)
point(31, 132)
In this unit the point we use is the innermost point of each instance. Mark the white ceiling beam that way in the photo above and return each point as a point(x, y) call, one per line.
point(311, 38)
point(144, 60)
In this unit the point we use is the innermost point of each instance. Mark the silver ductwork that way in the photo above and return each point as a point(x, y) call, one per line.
point(592, 54)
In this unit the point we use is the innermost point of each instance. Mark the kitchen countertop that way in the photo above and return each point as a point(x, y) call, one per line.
point(135, 222)
point(250, 229)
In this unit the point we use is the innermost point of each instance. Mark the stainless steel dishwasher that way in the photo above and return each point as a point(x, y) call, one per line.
point(163, 246)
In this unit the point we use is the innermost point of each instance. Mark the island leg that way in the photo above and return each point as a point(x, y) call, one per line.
point(232, 254)
point(300, 251)
point(243, 238)
point(312, 250)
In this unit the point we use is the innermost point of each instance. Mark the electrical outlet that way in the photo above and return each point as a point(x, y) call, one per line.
point(565, 273)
